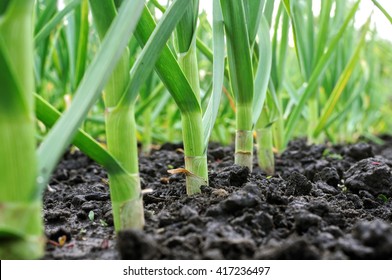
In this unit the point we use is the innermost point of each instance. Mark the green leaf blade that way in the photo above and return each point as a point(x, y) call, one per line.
point(90, 88)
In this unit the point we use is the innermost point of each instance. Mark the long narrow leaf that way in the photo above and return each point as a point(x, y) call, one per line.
point(48, 115)
point(342, 82)
point(299, 14)
point(167, 68)
point(45, 31)
point(89, 89)
point(263, 69)
point(314, 79)
point(82, 43)
point(253, 14)
point(16, 103)
point(238, 51)
point(43, 16)
point(211, 113)
point(186, 28)
point(322, 37)
point(152, 50)
point(382, 9)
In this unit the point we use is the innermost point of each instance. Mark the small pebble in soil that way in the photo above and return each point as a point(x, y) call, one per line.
point(220, 193)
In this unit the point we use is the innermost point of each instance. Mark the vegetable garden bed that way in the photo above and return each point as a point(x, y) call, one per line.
point(325, 202)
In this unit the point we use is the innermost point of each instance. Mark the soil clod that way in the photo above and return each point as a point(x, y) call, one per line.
point(298, 184)
point(372, 175)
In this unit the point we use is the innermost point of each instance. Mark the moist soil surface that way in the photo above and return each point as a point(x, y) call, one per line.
point(325, 202)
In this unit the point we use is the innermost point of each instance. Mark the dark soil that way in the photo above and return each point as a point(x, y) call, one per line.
point(325, 202)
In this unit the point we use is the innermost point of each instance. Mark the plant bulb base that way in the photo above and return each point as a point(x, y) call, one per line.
point(244, 148)
point(265, 153)
point(197, 173)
